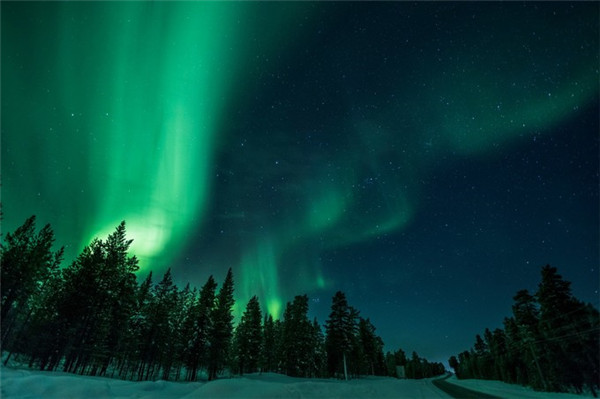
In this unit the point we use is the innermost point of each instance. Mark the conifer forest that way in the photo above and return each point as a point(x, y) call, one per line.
point(93, 317)
point(551, 342)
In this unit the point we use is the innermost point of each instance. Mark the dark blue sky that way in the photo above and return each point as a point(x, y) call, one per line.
point(484, 229)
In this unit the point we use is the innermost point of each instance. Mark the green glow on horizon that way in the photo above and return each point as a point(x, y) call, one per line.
point(274, 308)
point(259, 276)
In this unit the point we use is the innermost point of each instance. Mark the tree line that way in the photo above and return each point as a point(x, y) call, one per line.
point(413, 368)
point(551, 342)
point(93, 317)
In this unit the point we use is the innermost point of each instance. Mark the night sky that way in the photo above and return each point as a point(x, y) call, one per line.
point(426, 159)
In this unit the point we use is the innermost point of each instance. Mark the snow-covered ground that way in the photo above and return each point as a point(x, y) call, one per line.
point(505, 390)
point(17, 383)
point(36, 384)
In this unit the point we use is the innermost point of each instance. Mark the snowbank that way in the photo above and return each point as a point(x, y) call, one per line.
point(16, 383)
point(36, 384)
point(509, 391)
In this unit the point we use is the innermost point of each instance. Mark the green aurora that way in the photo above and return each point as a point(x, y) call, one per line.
point(131, 111)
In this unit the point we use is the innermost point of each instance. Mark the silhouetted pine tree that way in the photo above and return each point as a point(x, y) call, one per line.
point(517, 369)
point(139, 326)
point(498, 354)
point(297, 338)
point(340, 332)
point(480, 357)
point(453, 362)
point(269, 348)
point(418, 367)
point(200, 318)
point(279, 364)
point(464, 365)
point(390, 364)
point(526, 314)
point(249, 338)
point(95, 297)
point(372, 349)
point(25, 328)
point(221, 330)
point(121, 286)
point(356, 357)
point(159, 330)
point(34, 334)
point(80, 310)
point(27, 263)
point(286, 345)
point(181, 330)
point(185, 327)
point(550, 343)
point(570, 335)
point(393, 360)
point(413, 367)
point(399, 360)
point(318, 366)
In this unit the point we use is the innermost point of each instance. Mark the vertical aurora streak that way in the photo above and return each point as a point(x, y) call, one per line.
point(166, 94)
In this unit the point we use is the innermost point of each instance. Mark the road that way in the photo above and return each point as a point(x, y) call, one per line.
point(459, 392)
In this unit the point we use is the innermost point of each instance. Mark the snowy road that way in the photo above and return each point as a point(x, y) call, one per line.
point(510, 391)
point(461, 392)
point(427, 389)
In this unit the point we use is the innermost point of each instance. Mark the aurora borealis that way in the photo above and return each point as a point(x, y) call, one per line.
point(424, 158)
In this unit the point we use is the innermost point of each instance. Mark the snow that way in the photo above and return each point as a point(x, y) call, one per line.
point(37, 384)
point(19, 383)
point(509, 391)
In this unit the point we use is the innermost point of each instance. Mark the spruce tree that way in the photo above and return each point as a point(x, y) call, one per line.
point(526, 315)
point(34, 336)
point(297, 332)
point(279, 359)
point(200, 318)
point(372, 348)
point(498, 354)
point(221, 330)
point(517, 368)
point(17, 273)
point(356, 363)
point(340, 328)
point(139, 328)
point(80, 310)
point(319, 354)
point(453, 362)
point(481, 358)
point(269, 345)
point(249, 337)
point(121, 288)
point(570, 335)
point(307, 339)
point(182, 330)
point(27, 263)
point(97, 296)
point(550, 343)
point(160, 328)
